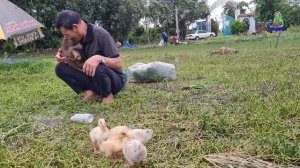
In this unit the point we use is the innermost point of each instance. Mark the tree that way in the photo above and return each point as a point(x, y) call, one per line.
point(162, 12)
point(242, 5)
point(118, 17)
point(290, 9)
point(265, 9)
point(229, 8)
point(190, 11)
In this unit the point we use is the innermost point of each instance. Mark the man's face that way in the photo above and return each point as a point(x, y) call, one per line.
point(72, 34)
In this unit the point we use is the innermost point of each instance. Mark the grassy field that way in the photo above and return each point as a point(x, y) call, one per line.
point(242, 103)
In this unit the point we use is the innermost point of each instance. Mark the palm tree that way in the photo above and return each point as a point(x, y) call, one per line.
point(160, 12)
point(243, 4)
point(229, 8)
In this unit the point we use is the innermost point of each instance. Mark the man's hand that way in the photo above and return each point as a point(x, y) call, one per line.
point(90, 65)
point(60, 58)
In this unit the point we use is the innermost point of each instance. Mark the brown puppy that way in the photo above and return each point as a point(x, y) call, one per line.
point(72, 52)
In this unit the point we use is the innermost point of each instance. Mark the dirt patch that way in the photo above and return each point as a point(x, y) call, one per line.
point(267, 90)
point(45, 123)
point(224, 51)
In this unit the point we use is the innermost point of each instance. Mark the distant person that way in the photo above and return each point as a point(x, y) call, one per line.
point(101, 75)
point(165, 37)
point(118, 44)
point(175, 40)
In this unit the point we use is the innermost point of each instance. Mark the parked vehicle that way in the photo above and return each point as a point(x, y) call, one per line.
point(199, 34)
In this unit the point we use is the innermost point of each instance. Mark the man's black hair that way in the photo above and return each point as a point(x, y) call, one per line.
point(67, 19)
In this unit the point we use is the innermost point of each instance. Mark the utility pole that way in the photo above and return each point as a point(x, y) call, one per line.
point(177, 22)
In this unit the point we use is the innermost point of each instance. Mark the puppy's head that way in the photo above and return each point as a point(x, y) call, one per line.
point(75, 50)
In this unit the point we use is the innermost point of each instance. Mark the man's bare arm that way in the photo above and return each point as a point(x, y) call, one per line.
point(91, 64)
point(111, 62)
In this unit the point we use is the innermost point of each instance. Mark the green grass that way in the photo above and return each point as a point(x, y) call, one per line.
point(247, 102)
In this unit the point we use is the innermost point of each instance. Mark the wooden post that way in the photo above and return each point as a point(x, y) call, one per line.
point(278, 39)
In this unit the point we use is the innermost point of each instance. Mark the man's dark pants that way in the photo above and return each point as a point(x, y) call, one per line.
point(165, 40)
point(105, 81)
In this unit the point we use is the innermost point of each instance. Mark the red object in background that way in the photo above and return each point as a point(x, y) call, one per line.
point(175, 40)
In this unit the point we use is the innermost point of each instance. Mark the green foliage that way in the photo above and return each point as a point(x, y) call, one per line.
point(155, 33)
point(238, 27)
point(172, 32)
point(8, 46)
point(152, 35)
point(242, 5)
point(138, 36)
point(290, 10)
point(229, 8)
point(139, 30)
point(118, 17)
point(278, 144)
point(162, 12)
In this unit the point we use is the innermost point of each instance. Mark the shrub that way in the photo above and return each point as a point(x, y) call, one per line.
point(238, 27)
point(172, 32)
point(139, 31)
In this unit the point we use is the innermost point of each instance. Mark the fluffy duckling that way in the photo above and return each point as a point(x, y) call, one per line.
point(143, 135)
point(99, 134)
point(114, 146)
point(134, 151)
point(116, 131)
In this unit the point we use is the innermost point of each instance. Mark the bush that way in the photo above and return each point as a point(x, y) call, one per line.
point(8, 46)
point(155, 34)
point(143, 39)
point(139, 35)
point(238, 27)
point(172, 32)
point(139, 31)
point(132, 39)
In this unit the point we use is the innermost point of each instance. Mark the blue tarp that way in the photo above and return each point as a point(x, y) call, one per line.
point(127, 45)
point(11, 61)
